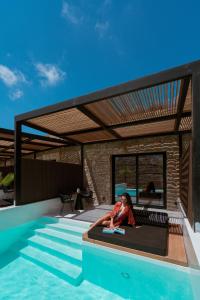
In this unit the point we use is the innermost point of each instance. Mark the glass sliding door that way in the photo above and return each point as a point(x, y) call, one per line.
point(143, 176)
point(151, 180)
point(124, 177)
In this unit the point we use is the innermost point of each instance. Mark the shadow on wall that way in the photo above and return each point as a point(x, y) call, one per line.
point(89, 178)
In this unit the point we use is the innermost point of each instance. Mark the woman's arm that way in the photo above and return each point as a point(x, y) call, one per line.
point(113, 214)
point(111, 223)
point(115, 209)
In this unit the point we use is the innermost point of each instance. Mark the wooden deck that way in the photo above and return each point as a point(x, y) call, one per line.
point(176, 248)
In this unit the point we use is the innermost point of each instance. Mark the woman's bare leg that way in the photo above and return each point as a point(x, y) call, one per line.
point(106, 223)
point(101, 220)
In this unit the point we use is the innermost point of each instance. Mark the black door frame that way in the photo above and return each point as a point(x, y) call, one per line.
point(136, 155)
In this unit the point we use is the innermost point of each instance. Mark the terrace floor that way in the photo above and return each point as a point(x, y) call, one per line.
point(176, 248)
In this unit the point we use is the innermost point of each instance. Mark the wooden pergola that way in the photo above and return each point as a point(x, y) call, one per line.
point(31, 144)
point(161, 104)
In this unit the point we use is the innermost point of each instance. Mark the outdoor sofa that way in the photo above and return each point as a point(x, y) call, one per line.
point(149, 235)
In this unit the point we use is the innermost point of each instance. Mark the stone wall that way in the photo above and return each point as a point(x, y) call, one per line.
point(70, 155)
point(98, 163)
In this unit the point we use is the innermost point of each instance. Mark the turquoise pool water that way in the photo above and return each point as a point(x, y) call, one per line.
point(50, 261)
point(121, 188)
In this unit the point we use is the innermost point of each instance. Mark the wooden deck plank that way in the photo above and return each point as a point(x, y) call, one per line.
point(176, 249)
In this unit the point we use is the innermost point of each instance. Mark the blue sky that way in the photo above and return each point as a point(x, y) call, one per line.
point(53, 50)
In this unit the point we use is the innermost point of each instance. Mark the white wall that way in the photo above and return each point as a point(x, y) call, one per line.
point(15, 221)
point(191, 240)
point(192, 244)
point(17, 215)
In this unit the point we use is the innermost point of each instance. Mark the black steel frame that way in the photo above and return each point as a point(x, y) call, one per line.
point(137, 155)
point(190, 70)
point(130, 86)
point(29, 140)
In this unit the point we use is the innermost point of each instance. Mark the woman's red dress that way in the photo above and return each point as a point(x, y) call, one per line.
point(127, 213)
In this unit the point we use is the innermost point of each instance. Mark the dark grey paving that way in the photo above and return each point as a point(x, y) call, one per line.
point(91, 215)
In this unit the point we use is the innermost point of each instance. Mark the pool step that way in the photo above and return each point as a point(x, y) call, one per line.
point(61, 237)
point(61, 250)
point(67, 228)
point(59, 267)
point(76, 223)
point(67, 221)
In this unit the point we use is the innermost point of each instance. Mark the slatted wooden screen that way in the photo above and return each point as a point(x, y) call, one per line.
point(42, 180)
point(186, 181)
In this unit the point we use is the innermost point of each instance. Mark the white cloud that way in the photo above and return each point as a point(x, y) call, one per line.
point(106, 4)
point(50, 74)
point(102, 28)
point(71, 13)
point(16, 94)
point(11, 77)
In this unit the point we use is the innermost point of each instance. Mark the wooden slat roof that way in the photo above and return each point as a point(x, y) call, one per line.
point(186, 124)
point(64, 121)
point(30, 143)
point(147, 103)
point(100, 135)
point(155, 104)
point(145, 129)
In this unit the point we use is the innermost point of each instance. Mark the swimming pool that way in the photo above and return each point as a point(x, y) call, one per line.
point(50, 261)
point(121, 188)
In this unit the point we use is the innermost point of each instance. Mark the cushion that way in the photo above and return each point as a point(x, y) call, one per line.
point(145, 217)
point(151, 239)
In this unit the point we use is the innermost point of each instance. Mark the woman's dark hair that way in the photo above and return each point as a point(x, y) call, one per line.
point(128, 199)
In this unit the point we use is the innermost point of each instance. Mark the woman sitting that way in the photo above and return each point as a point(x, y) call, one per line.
point(121, 211)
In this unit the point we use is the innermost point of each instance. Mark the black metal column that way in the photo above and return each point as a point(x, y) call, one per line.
point(196, 149)
point(17, 160)
point(82, 165)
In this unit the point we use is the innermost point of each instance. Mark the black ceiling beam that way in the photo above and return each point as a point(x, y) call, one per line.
point(12, 146)
point(32, 142)
point(150, 135)
point(6, 131)
point(132, 123)
point(32, 136)
point(45, 146)
point(150, 120)
point(29, 142)
point(69, 140)
point(6, 154)
point(130, 86)
point(4, 147)
point(94, 118)
point(6, 139)
point(181, 101)
point(44, 138)
point(53, 148)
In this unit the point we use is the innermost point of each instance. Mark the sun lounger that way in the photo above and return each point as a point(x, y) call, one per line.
point(150, 234)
